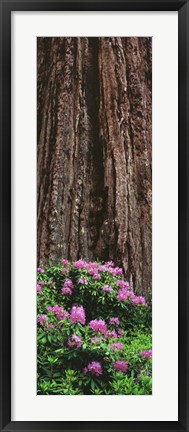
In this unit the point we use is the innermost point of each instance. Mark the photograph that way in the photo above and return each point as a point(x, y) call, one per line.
point(94, 215)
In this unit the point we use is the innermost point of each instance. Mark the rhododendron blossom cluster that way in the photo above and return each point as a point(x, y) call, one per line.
point(122, 294)
point(94, 368)
point(123, 284)
point(94, 267)
point(75, 341)
point(80, 264)
point(98, 326)
point(111, 334)
point(121, 366)
point(126, 294)
point(39, 288)
point(139, 300)
point(41, 319)
point(117, 345)
point(77, 314)
point(68, 283)
point(83, 281)
point(67, 287)
point(107, 288)
point(120, 332)
point(59, 311)
point(146, 353)
point(114, 320)
point(65, 262)
point(41, 270)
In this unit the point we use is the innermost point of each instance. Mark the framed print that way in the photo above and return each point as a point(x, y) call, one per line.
point(94, 215)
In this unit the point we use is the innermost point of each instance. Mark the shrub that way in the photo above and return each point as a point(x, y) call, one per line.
point(94, 332)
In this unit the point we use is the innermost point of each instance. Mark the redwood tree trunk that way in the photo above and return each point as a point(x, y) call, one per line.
point(94, 152)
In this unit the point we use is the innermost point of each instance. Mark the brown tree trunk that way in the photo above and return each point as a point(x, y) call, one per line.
point(94, 152)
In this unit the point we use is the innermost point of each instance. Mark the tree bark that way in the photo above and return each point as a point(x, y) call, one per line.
point(95, 152)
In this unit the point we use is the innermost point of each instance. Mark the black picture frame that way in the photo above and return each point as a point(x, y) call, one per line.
point(182, 6)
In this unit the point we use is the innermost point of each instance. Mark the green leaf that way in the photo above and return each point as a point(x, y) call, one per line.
point(92, 385)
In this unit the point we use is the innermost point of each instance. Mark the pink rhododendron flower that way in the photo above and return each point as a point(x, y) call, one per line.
point(68, 283)
point(102, 268)
point(139, 300)
point(41, 270)
point(120, 332)
point(111, 334)
point(59, 311)
point(117, 271)
point(96, 276)
point(67, 287)
point(122, 294)
point(117, 346)
point(94, 368)
point(74, 341)
point(93, 264)
point(146, 353)
point(83, 281)
point(92, 270)
point(39, 289)
point(66, 291)
point(121, 366)
point(41, 319)
point(65, 262)
point(131, 295)
point(80, 264)
point(107, 288)
point(109, 264)
point(94, 273)
point(65, 271)
point(123, 284)
point(98, 326)
point(50, 325)
point(77, 314)
point(43, 283)
point(114, 320)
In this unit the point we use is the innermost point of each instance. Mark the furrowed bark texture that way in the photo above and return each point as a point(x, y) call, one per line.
point(95, 153)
